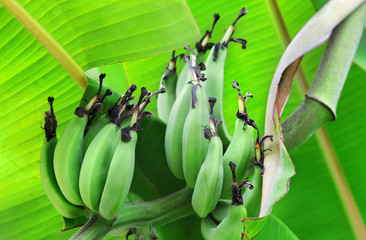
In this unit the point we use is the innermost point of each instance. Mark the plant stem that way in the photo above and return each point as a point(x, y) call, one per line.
point(140, 215)
point(321, 100)
point(158, 212)
point(48, 41)
point(96, 228)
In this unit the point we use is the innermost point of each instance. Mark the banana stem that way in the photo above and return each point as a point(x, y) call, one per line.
point(141, 214)
point(322, 98)
point(96, 228)
point(158, 212)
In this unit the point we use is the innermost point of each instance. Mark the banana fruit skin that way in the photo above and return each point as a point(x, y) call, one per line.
point(208, 186)
point(119, 177)
point(49, 182)
point(214, 85)
point(94, 130)
point(252, 198)
point(174, 132)
point(53, 192)
point(96, 164)
point(194, 143)
point(221, 210)
point(67, 158)
point(239, 152)
point(169, 82)
point(230, 227)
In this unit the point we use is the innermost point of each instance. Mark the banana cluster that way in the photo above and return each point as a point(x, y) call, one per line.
point(198, 147)
point(90, 167)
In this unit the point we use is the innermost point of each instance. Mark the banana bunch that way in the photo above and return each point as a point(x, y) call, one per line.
point(90, 168)
point(191, 155)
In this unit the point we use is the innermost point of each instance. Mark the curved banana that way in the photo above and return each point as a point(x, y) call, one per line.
point(119, 177)
point(214, 73)
point(68, 151)
point(208, 186)
point(53, 192)
point(200, 52)
point(240, 148)
point(194, 143)
point(174, 129)
point(96, 164)
point(121, 169)
point(169, 82)
point(231, 227)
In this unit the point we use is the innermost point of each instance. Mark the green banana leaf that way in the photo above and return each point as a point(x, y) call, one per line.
point(276, 230)
point(314, 207)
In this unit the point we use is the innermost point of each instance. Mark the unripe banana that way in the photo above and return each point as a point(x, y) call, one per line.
point(68, 151)
point(208, 186)
point(240, 148)
point(96, 164)
point(169, 82)
point(174, 130)
point(231, 227)
point(119, 177)
point(53, 192)
point(252, 198)
point(195, 145)
point(200, 52)
point(221, 210)
point(67, 158)
point(214, 73)
point(121, 169)
point(94, 129)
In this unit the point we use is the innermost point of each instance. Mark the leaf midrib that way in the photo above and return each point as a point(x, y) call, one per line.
point(47, 40)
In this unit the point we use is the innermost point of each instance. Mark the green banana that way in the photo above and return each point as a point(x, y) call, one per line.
point(169, 81)
point(95, 165)
point(119, 177)
point(214, 73)
point(208, 186)
point(53, 192)
point(68, 151)
point(221, 210)
point(174, 129)
point(121, 169)
point(252, 198)
point(106, 118)
point(94, 129)
point(200, 52)
point(194, 143)
point(241, 146)
point(231, 227)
